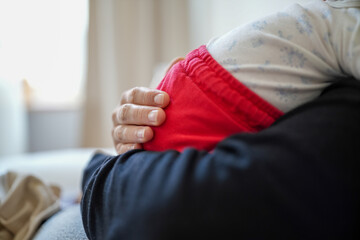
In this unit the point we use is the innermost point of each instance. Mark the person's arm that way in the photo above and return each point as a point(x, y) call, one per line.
point(297, 179)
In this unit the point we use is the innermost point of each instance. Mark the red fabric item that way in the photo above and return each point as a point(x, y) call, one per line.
point(207, 104)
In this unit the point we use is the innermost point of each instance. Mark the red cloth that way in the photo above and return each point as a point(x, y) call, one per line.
point(207, 104)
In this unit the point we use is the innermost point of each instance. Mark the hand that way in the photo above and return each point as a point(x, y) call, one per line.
point(139, 108)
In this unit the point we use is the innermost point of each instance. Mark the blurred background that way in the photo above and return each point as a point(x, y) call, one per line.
point(65, 63)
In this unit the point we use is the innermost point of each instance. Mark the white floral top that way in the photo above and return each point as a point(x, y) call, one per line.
point(289, 57)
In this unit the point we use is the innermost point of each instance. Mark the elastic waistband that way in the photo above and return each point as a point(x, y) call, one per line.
point(229, 93)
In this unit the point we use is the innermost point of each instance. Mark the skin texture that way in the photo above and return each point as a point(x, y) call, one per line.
point(139, 109)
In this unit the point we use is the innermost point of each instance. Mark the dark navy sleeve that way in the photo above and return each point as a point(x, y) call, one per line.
point(298, 179)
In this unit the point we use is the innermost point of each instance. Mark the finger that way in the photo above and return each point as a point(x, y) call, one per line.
point(132, 134)
point(146, 96)
point(138, 115)
point(123, 148)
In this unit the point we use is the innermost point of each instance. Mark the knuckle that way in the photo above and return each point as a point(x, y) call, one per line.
point(119, 133)
point(113, 132)
point(114, 115)
point(132, 94)
point(124, 97)
point(123, 113)
point(122, 133)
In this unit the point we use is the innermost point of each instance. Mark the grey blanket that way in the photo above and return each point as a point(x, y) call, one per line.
point(65, 225)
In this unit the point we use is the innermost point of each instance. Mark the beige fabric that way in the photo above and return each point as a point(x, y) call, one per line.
point(127, 39)
point(25, 201)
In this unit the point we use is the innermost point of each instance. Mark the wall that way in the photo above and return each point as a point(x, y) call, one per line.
point(13, 135)
point(54, 129)
point(210, 18)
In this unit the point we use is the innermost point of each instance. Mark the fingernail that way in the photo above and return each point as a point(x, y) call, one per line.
point(140, 133)
point(152, 116)
point(159, 99)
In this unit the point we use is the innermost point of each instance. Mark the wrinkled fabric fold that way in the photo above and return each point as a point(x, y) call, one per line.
point(207, 104)
point(25, 202)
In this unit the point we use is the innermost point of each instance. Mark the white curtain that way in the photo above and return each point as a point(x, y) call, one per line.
point(127, 39)
point(13, 137)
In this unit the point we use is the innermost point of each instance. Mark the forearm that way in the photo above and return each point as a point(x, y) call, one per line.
point(292, 180)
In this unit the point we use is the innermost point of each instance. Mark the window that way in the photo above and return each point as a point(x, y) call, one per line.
point(43, 42)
